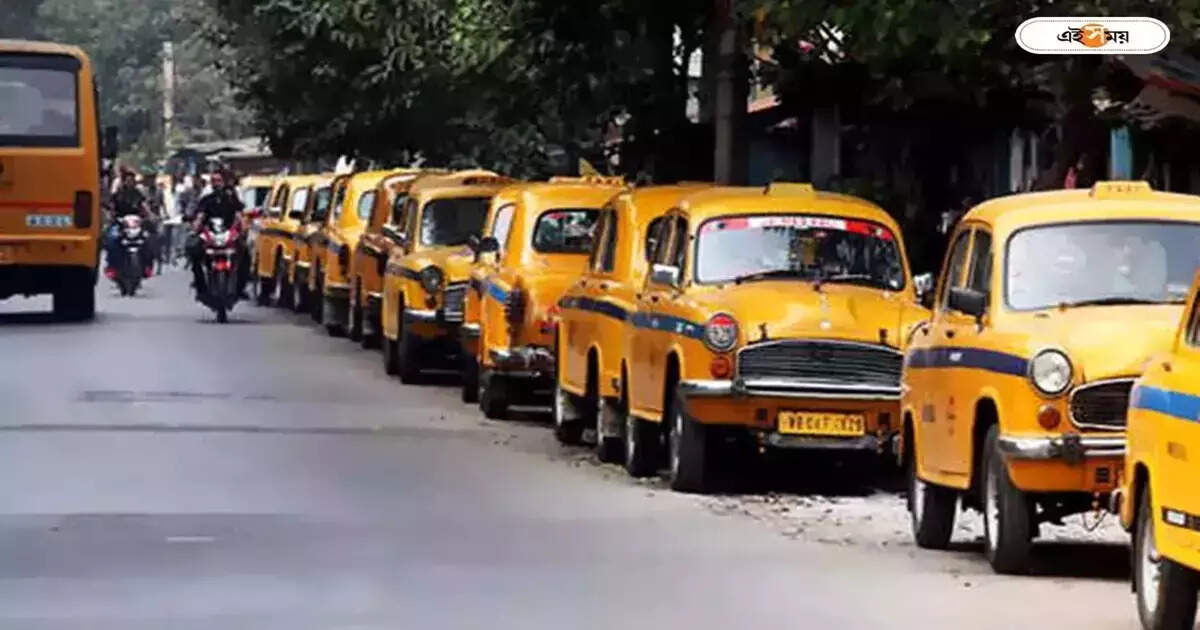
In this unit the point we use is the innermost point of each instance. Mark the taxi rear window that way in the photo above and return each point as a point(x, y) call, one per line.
point(39, 100)
point(565, 231)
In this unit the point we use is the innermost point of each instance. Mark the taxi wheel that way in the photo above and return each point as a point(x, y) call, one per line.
point(390, 366)
point(266, 288)
point(608, 447)
point(284, 297)
point(1007, 522)
point(641, 446)
point(493, 398)
point(299, 297)
point(931, 507)
point(568, 427)
point(688, 451)
point(470, 380)
point(356, 316)
point(1166, 590)
point(316, 299)
point(408, 361)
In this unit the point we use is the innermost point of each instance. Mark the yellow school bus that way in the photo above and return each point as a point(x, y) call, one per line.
point(49, 175)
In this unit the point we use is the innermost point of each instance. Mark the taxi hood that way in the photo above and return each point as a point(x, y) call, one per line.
point(791, 309)
point(1106, 341)
point(455, 262)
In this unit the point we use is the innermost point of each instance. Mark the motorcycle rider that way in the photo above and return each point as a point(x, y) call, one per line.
point(125, 201)
point(222, 202)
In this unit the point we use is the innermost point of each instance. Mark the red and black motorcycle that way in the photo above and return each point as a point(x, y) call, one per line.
point(220, 242)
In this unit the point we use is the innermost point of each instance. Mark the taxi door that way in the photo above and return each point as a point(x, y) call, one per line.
point(495, 283)
point(583, 327)
point(1175, 436)
point(966, 336)
point(937, 416)
point(654, 335)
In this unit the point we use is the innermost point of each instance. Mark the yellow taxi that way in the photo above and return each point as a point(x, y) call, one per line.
point(1016, 389)
point(380, 237)
point(316, 210)
point(771, 319)
point(318, 243)
point(284, 210)
point(425, 279)
point(50, 149)
point(354, 203)
point(538, 245)
point(592, 370)
point(1159, 500)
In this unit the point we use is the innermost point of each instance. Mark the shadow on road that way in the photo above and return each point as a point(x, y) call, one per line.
point(29, 318)
point(1066, 559)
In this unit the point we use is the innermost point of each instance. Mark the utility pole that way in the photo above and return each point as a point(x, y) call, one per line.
point(731, 95)
point(168, 94)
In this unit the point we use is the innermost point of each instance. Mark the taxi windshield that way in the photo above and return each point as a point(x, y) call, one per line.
point(450, 222)
point(255, 197)
point(321, 203)
point(1109, 262)
point(804, 247)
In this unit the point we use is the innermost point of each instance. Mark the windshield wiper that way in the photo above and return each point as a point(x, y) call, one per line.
point(773, 273)
point(1109, 301)
point(853, 278)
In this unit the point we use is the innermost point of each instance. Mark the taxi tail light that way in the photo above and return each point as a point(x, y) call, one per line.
point(83, 209)
point(1048, 417)
point(549, 321)
point(514, 308)
point(720, 367)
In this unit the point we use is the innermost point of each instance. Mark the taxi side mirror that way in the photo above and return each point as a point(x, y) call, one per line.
point(110, 143)
point(391, 232)
point(664, 274)
point(488, 245)
point(968, 301)
point(923, 284)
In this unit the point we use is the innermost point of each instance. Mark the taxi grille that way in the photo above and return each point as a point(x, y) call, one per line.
point(1102, 405)
point(452, 306)
point(822, 361)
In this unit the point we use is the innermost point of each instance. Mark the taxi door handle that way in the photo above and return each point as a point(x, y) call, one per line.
point(654, 298)
point(950, 333)
point(603, 286)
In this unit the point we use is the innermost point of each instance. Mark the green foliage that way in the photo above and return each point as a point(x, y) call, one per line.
point(125, 39)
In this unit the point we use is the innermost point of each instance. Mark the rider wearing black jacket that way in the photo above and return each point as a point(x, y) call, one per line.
point(222, 202)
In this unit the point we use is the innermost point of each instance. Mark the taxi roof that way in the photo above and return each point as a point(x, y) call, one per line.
point(564, 193)
point(782, 197)
point(466, 183)
point(303, 180)
point(39, 47)
point(1105, 200)
point(652, 201)
point(368, 179)
point(258, 180)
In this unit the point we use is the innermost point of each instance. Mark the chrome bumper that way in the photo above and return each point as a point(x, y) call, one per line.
point(786, 388)
point(429, 316)
point(470, 331)
point(528, 358)
point(302, 264)
point(337, 291)
point(1072, 447)
point(871, 443)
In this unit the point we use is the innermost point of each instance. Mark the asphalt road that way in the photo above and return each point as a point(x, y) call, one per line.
point(158, 470)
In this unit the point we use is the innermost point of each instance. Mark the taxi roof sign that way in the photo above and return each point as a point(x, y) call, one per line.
point(595, 180)
point(790, 189)
point(1121, 190)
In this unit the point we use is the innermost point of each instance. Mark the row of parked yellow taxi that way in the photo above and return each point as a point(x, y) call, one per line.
point(1049, 371)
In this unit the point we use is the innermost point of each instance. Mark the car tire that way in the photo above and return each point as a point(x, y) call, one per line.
point(391, 367)
point(76, 300)
point(493, 398)
point(1007, 519)
point(299, 297)
point(931, 508)
point(609, 448)
point(688, 451)
point(1166, 590)
point(316, 298)
point(356, 315)
point(408, 359)
point(284, 297)
point(565, 408)
point(642, 444)
point(470, 380)
point(266, 288)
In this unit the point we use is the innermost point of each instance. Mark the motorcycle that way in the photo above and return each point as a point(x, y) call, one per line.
point(220, 243)
point(129, 271)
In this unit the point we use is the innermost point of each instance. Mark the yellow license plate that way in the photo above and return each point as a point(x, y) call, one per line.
point(818, 423)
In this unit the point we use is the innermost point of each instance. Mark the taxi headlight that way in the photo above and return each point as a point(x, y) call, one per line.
point(432, 279)
point(1050, 372)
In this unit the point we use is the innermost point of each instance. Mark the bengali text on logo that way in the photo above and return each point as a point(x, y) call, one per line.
point(1093, 35)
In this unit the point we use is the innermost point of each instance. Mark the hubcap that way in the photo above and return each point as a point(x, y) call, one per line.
point(559, 412)
point(599, 420)
point(991, 508)
point(630, 440)
point(916, 493)
point(1149, 569)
